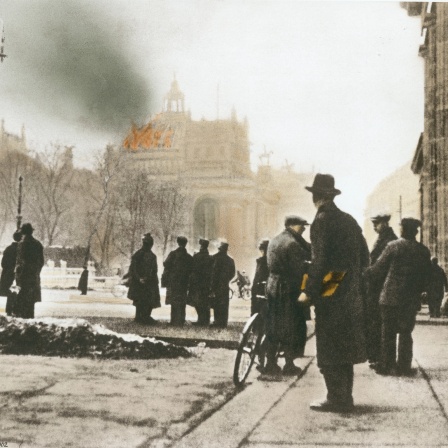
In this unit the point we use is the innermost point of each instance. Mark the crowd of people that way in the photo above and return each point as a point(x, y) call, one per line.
point(363, 302)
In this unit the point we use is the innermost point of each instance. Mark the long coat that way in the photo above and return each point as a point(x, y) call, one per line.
point(8, 266)
point(287, 255)
point(404, 269)
point(144, 266)
point(337, 245)
point(261, 277)
point(437, 284)
point(200, 279)
point(29, 263)
point(177, 270)
point(83, 281)
point(223, 271)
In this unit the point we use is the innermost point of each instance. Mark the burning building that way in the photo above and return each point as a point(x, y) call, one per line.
point(213, 159)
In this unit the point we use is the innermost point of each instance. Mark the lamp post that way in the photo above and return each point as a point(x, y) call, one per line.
point(19, 205)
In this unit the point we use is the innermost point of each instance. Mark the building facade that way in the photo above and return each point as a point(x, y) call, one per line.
point(12, 142)
point(212, 158)
point(430, 159)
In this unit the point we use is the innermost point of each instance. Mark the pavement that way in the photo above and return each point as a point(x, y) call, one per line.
point(61, 402)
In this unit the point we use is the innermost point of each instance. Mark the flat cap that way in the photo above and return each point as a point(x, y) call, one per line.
point(380, 218)
point(411, 223)
point(294, 220)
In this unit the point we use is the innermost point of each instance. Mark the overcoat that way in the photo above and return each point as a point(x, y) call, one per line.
point(404, 269)
point(29, 263)
point(337, 245)
point(177, 270)
point(260, 278)
point(287, 258)
point(144, 266)
point(437, 284)
point(8, 266)
point(200, 279)
point(83, 281)
point(223, 271)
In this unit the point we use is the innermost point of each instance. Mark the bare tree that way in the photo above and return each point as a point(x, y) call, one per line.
point(169, 203)
point(46, 194)
point(101, 209)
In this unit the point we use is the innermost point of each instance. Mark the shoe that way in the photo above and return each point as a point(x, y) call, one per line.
point(291, 370)
point(330, 406)
point(386, 371)
point(272, 369)
point(410, 372)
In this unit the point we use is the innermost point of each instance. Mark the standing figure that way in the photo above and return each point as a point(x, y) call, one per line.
point(288, 254)
point(83, 281)
point(338, 250)
point(199, 287)
point(143, 282)
point(404, 269)
point(8, 266)
point(260, 279)
point(177, 272)
point(223, 271)
point(437, 286)
point(373, 316)
point(29, 263)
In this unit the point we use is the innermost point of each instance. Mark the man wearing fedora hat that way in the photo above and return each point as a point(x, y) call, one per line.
point(143, 282)
point(337, 246)
point(373, 317)
point(404, 269)
point(29, 263)
point(288, 254)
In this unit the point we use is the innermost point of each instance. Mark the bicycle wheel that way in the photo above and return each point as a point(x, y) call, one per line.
point(247, 349)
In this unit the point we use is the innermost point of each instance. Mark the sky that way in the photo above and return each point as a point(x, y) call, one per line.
point(332, 87)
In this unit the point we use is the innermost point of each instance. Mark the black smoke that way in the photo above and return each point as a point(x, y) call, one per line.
point(72, 60)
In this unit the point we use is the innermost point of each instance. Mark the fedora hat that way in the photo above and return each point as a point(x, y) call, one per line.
point(323, 183)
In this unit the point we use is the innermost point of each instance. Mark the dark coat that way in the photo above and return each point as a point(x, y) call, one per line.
point(144, 267)
point(287, 255)
point(177, 270)
point(437, 284)
point(29, 263)
point(83, 281)
point(337, 245)
point(260, 278)
point(404, 269)
point(200, 279)
point(384, 238)
point(8, 266)
point(223, 271)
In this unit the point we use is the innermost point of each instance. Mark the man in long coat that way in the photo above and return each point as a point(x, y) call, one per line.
point(8, 266)
point(83, 281)
point(338, 249)
point(223, 271)
point(177, 270)
point(143, 282)
point(404, 269)
point(199, 288)
point(373, 316)
point(437, 286)
point(29, 263)
point(287, 258)
point(260, 278)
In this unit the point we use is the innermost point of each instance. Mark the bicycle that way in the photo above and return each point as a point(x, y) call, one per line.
point(251, 346)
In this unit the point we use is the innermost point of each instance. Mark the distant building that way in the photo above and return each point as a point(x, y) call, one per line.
point(430, 159)
point(397, 195)
point(12, 142)
point(213, 159)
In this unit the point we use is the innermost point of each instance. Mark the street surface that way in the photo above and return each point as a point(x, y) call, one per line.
point(60, 402)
